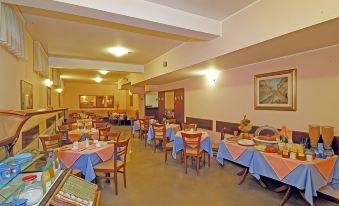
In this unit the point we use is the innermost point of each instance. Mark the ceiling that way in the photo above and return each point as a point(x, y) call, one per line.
point(318, 36)
point(214, 9)
point(62, 36)
point(86, 76)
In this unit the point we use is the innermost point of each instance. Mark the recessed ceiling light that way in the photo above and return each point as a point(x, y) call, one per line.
point(48, 82)
point(98, 79)
point(118, 51)
point(103, 72)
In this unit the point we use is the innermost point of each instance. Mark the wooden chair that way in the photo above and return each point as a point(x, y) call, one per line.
point(215, 145)
point(74, 137)
point(50, 143)
point(100, 125)
point(115, 166)
point(63, 131)
point(103, 130)
point(187, 127)
point(192, 149)
point(115, 136)
point(159, 135)
point(143, 129)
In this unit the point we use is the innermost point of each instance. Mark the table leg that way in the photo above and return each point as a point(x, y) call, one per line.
point(244, 175)
point(281, 188)
point(286, 196)
point(241, 172)
point(261, 183)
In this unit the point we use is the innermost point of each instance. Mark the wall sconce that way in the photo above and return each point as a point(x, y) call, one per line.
point(59, 90)
point(211, 74)
point(48, 82)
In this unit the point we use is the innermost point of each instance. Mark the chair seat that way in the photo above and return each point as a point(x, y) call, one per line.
point(159, 138)
point(193, 151)
point(108, 165)
point(169, 145)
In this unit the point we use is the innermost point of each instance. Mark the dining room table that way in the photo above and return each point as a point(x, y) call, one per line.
point(171, 130)
point(307, 177)
point(79, 133)
point(205, 144)
point(85, 159)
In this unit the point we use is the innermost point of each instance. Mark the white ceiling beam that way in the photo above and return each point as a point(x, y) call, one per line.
point(73, 63)
point(137, 13)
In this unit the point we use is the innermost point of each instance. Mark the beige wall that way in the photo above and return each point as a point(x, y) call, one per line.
point(12, 70)
point(73, 90)
point(232, 96)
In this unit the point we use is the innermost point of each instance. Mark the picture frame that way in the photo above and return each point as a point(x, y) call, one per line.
point(96, 101)
point(276, 90)
point(26, 95)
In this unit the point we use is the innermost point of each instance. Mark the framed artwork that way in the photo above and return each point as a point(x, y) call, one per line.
point(49, 98)
point(92, 101)
point(276, 90)
point(26, 93)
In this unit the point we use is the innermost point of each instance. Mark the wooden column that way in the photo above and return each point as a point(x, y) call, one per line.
point(161, 105)
point(179, 105)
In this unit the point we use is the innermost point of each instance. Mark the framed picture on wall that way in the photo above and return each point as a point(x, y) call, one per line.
point(92, 101)
point(49, 98)
point(26, 93)
point(276, 90)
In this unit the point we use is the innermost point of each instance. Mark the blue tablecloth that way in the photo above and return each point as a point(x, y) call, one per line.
point(305, 177)
point(169, 134)
point(86, 163)
point(244, 159)
point(135, 127)
point(179, 145)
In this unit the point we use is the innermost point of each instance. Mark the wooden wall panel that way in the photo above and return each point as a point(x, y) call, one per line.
point(179, 106)
point(202, 123)
point(29, 136)
point(161, 105)
point(297, 135)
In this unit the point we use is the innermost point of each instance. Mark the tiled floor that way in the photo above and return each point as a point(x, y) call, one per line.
point(152, 182)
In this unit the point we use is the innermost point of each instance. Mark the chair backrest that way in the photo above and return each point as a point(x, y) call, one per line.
point(144, 123)
point(115, 136)
point(63, 127)
point(100, 125)
point(149, 117)
point(187, 127)
point(120, 151)
point(159, 131)
point(222, 133)
point(191, 141)
point(102, 130)
point(172, 121)
point(73, 126)
point(50, 143)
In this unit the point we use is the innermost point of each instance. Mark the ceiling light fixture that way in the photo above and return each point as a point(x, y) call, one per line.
point(211, 74)
point(118, 51)
point(98, 79)
point(103, 72)
point(59, 90)
point(48, 82)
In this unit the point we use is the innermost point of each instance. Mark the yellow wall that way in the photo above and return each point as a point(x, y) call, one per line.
point(73, 90)
point(232, 96)
point(12, 70)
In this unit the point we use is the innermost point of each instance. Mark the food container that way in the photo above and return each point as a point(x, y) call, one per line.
point(32, 191)
point(285, 153)
point(293, 155)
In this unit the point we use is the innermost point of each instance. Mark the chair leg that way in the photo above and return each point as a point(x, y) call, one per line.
point(125, 183)
point(198, 164)
point(204, 159)
point(165, 155)
point(116, 182)
point(108, 180)
point(185, 164)
point(209, 160)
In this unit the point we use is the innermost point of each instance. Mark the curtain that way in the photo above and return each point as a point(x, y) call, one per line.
point(12, 30)
point(40, 63)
